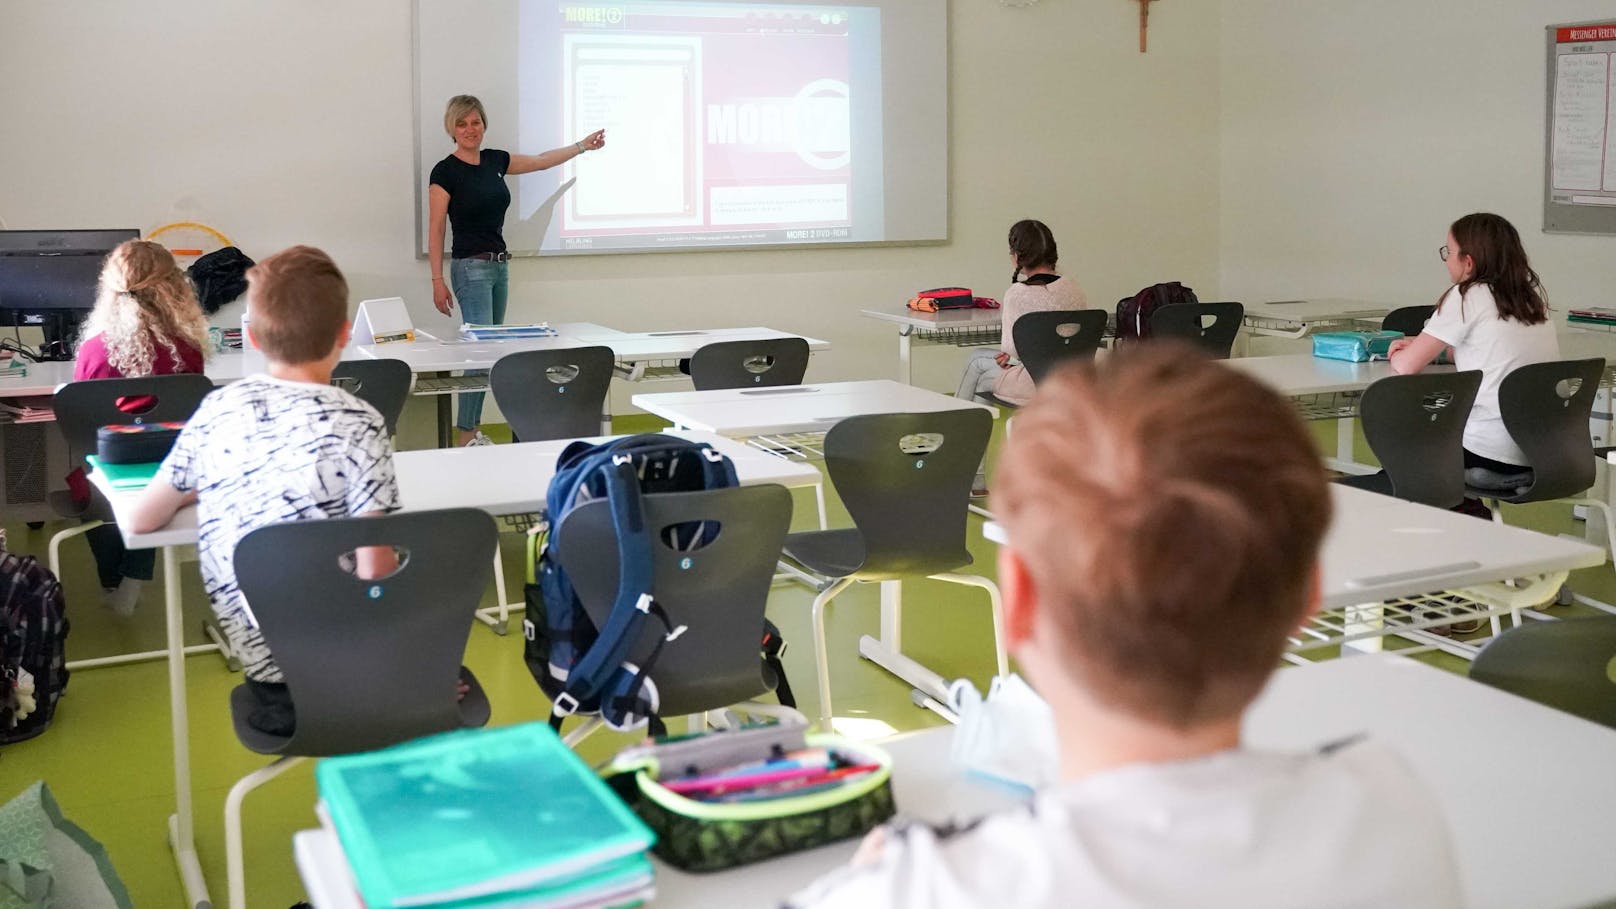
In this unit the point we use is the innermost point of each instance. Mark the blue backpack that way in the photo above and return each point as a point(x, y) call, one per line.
point(582, 668)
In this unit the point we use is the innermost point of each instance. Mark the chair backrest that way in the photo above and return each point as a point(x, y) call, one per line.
point(368, 663)
point(718, 591)
point(1410, 320)
point(383, 384)
point(1548, 419)
point(1044, 339)
point(1415, 425)
point(84, 407)
point(1569, 665)
point(1185, 321)
point(749, 364)
point(553, 394)
point(907, 498)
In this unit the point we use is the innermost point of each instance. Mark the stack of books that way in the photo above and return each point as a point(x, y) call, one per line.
point(35, 409)
point(472, 332)
point(503, 818)
point(1604, 318)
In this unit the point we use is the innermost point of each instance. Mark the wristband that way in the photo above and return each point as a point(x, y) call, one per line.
point(580, 146)
point(437, 277)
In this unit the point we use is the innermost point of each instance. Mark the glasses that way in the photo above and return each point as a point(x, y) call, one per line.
point(1443, 252)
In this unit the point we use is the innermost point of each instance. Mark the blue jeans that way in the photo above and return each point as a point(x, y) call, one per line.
point(980, 376)
point(481, 287)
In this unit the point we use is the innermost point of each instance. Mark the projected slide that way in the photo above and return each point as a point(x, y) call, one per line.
point(727, 123)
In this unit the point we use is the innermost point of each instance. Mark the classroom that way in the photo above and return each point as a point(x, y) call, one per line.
point(1258, 150)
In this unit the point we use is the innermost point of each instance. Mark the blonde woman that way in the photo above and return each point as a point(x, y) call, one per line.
point(467, 190)
point(146, 322)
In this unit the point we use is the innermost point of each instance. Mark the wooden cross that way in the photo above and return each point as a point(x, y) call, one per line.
point(1144, 21)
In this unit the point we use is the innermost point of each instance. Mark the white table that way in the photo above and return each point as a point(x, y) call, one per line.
point(958, 327)
point(1446, 565)
point(500, 479)
point(1459, 736)
point(1299, 318)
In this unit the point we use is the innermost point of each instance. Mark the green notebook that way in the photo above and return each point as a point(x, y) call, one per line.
point(476, 813)
point(125, 476)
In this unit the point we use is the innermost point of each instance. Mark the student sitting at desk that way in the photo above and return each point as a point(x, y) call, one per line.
point(1154, 569)
point(278, 447)
point(146, 322)
point(1495, 319)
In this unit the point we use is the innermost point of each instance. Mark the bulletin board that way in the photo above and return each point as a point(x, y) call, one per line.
point(1580, 144)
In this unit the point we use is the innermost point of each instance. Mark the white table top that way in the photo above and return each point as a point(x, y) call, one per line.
point(432, 354)
point(1305, 374)
point(499, 479)
point(1462, 739)
point(744, 412)
point(1318, 309)
point(1380, 547)
point(937, 321)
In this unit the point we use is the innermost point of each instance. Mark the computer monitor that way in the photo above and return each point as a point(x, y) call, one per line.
point(48, 279)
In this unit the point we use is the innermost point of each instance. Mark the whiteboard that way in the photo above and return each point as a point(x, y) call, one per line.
point(1580, 138)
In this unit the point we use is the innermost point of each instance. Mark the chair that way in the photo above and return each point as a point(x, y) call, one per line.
point(718, 592)
point(1545, 407)
point(905, 480)
point(383, 384)
point(1415, 425)
point(1184, 320)
point(368, 663)
point(1567, 665)
point(1045, 339)
point(553, 394)
point(749, 364)
point(1410, 320)
point(84, 407)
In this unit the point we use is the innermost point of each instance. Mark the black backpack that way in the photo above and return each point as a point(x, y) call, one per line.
point(1133, 313)
point(219, 277)
point(33, 630)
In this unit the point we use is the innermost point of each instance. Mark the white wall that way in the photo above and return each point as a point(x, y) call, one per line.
point(290, 122)
point(1354, 133)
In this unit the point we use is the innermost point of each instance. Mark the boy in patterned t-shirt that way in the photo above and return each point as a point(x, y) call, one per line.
point(276, 447)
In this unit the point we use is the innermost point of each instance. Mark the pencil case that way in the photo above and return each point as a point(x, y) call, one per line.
point(710, 836)
point(135, 443)
point(1355, 346)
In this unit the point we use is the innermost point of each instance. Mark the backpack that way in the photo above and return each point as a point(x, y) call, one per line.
point(1133, 313)
point(582, 668)
point(33, 629)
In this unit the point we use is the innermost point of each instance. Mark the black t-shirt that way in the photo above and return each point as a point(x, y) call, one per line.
point(478, 198)
point(1041, 279)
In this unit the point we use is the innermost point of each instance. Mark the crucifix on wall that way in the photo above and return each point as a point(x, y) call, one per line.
point(1144, 21)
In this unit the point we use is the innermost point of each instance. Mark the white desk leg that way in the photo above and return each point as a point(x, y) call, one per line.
point(892, 615)
point(819, 498)
point(181, 832)
point(1343, 439)
point(888, 651)
point(905, 372)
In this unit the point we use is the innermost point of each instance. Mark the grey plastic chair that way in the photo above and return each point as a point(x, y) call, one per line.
point(1046, 339)
point(553, 394)
point(749, 364)
point(1415, 425)
point(84, 407)
point(1566, 665)
point(1410, 320)
point(1183, 320)
point(383, 384)
point(908, 504)
point(368, 663)
point(718, 591)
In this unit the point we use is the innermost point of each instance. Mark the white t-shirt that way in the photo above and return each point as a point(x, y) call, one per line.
point(1346, 827)
point(264, 451)
point(1481, 340)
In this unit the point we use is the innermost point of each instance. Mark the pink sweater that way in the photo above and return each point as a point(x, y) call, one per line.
point(1015, 384)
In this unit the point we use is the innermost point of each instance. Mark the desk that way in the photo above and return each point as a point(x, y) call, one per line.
point(1457, 735)
point(957, 327)
point(503, 479)
point(1323, 390)
point(1299, 318)
point(1383, 550)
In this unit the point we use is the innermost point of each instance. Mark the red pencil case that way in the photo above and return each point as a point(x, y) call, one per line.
point(949, 297)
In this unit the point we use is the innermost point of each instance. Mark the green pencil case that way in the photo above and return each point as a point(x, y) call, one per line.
point(710, 836)
point(1354, 346)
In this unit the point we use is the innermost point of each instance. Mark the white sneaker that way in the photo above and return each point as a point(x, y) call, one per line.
point(121, 600)
point(478, 439)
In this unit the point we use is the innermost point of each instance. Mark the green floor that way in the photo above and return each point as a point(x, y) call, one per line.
point(107, 755)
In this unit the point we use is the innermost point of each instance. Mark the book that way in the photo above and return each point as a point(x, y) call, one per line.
point(125, 476)
point(477, 813)
point(472, 332)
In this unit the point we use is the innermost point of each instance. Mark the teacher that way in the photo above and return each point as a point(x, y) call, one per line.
point(468, 188)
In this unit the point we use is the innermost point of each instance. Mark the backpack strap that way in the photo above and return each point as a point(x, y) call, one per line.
point(633, 602)
point(774, 647)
